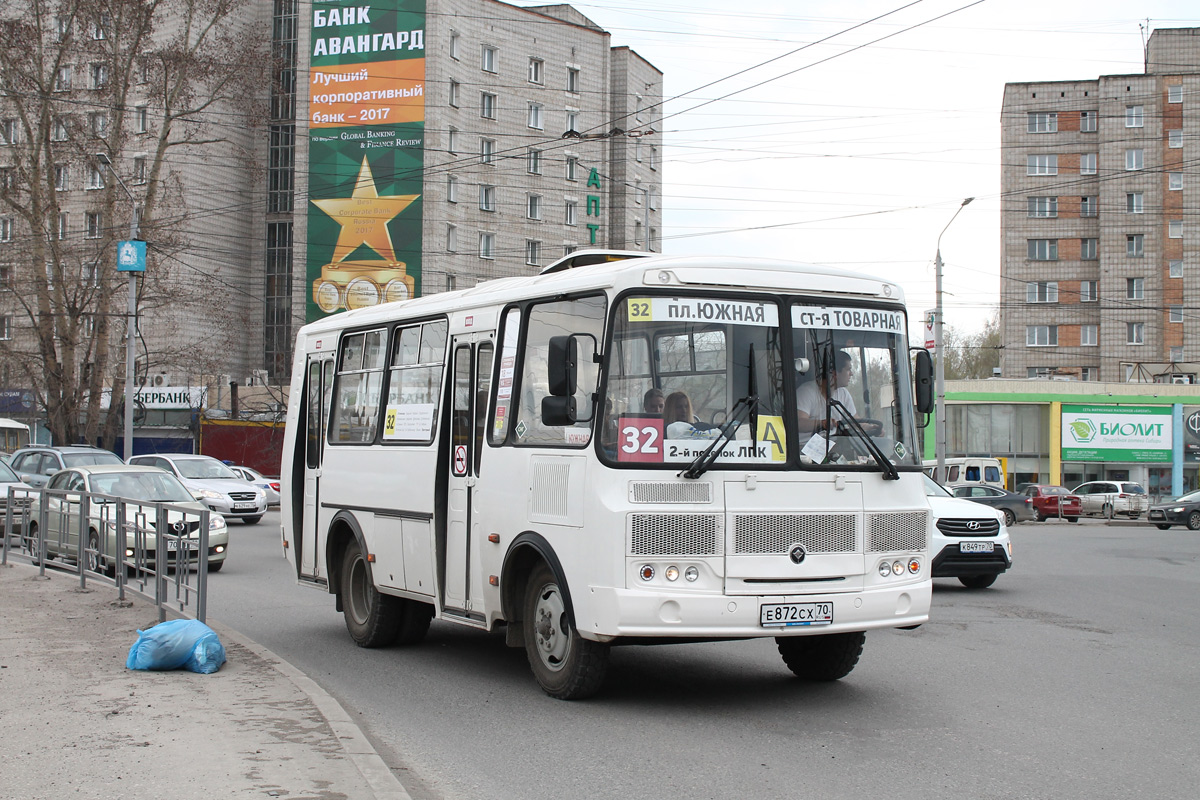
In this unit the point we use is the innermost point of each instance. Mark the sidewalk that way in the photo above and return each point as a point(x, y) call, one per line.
point(74, 721)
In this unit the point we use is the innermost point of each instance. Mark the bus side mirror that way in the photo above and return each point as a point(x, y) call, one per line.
point(559, 411)
point(562, 364)
point(924, 382)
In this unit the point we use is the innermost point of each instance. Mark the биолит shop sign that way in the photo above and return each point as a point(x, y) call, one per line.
point(1116, 433)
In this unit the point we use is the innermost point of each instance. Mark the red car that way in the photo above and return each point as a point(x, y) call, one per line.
point(1047, 500)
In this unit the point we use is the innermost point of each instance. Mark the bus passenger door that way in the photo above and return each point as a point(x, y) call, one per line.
point(472, 369)
point(318, 384)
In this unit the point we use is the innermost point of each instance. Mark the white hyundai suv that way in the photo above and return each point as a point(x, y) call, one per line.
point(969, 542)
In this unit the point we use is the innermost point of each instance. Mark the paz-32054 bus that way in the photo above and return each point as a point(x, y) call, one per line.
point(647, 450)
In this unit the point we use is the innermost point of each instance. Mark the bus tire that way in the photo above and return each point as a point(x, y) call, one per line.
point(828, 657)
point(414, 622)
point(566, 665)
point(373, 618)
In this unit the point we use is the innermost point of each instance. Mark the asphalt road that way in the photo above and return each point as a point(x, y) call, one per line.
point(1075, 676)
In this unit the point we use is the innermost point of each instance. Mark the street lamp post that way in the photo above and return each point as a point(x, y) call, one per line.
point(131, 316)
point(939, 372)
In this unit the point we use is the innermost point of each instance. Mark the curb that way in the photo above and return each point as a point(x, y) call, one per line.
point(358, 749)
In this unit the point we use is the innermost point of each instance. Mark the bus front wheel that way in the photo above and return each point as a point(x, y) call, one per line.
point(822, 658)
point(373, 618)
point(566, 665)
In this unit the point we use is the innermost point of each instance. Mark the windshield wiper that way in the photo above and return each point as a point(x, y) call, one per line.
point(890, 473)
point(741, 409)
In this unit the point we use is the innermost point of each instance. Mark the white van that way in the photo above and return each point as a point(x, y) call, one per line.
point(972, 469)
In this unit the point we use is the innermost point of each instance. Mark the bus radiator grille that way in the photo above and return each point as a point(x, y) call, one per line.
point(775, 534)
point(669, 492)
point(675, 534)
point(901, 531)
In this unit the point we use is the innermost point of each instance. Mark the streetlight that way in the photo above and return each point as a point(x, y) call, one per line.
point(131, 317)
point(939, 372)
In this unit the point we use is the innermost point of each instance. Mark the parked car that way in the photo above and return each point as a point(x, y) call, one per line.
point(1053, 501)
point(35, 464)
point(1183, 510)
point(1113, 498)
point(270, 486)
point(969, 469)
point(142, 487)
point(969, 541)
point(9, 479)
point(213, 484)
point(1015, 507)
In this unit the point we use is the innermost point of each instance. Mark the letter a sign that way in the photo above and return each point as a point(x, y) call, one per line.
point(131, 256)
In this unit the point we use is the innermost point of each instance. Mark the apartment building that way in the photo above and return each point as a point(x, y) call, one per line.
point(1100, 264)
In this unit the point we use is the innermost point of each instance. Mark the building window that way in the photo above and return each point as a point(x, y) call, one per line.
point(94, 226)
point(573, 80)
point(1087, 121)
point(1175, 313)
point(62, 29)
point(1089, 206)
point(453, 97)
point(652, 198)
point(487, 61)
point(141, 119)
point(1089, 373)
point(1135, 333)
point(1175, 268)
point(637, 150)
point(98, 76)
point(1089, 249)
point(1175, 139)
point(487, 105)
point(1042, 165)
point(1087, 163)
point(487, 245)
point(6, 229)
point(572, 213)
point(1042, 122)
point(487, 198)
point(637, 108)
point(95, 177)
point(1039, 372)
point(63, 226)
point(1175, 181)
point(62, 178)
point(653, 157)
point(1133, 203)
point(1089, 291)
point(6, 276)
point(487, 150)
point(537, 70)
point(6, 178)
point(1043, 206)
point(572, 120)
point(62, 79)
point(1177, 353)
point(1041, 292)
point(1133, 159)
point(451, 283)
point(99, 27)
point(98, 124)
point(10, 133)
point(1135, 245)
point(572, 168)
point(1041, 335)
point(535, 116)
point(1089, 335)
point(451, 189)
point(58, 130)
point(139, 169)
point(452, 238)
point(1175, 229)
point(452, 141)
point(1134, 116)
point(533, 252)
point(6, 327)
point(1135, 288)
point(1043, 249)
point(454, 45)
point(535, 162)
point(1175, 93)
point(533, 206)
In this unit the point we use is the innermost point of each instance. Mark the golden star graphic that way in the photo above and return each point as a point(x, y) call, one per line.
point(364, 217)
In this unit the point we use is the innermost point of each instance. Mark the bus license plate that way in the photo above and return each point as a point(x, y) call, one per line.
point(786, 615)
point(976, 547)
point(244, 506)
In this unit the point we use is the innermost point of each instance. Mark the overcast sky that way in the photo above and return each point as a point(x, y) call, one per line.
point(861, 161)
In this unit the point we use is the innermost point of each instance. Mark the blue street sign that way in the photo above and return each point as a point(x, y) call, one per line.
point(131, 256)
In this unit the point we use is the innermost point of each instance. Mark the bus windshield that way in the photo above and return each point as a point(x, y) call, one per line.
point(686, 372)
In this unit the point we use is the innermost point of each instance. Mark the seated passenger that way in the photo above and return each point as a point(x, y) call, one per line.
point(653, 401)
point(679, 421)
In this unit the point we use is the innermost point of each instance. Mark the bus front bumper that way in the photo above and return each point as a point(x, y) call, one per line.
point(635, 614)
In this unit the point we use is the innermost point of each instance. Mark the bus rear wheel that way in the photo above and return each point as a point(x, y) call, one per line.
point(373, 618)
point(566, 665)
point(829, 657)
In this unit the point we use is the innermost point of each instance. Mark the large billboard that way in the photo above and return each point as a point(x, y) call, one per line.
point(1116, 433)
point(366, 89)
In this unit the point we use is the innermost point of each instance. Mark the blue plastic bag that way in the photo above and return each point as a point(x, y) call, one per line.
point(185, 643)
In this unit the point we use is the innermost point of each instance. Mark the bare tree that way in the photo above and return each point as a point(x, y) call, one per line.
point(136, 81)
point(972, 355)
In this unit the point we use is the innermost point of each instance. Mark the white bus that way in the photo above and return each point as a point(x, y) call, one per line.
point(501, 455)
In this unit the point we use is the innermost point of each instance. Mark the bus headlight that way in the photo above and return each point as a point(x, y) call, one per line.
point(885, 569)
point(646, 572)
point(898, 567)
point(691, 574)
point(914, 565)
point(672, 573)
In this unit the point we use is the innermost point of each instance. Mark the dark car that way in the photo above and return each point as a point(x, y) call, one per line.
point(1015, 507)
point(37, 463)
point(1183, 510)
point(1053, 501)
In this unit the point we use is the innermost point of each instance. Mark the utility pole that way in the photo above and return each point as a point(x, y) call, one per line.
point(939, 373)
